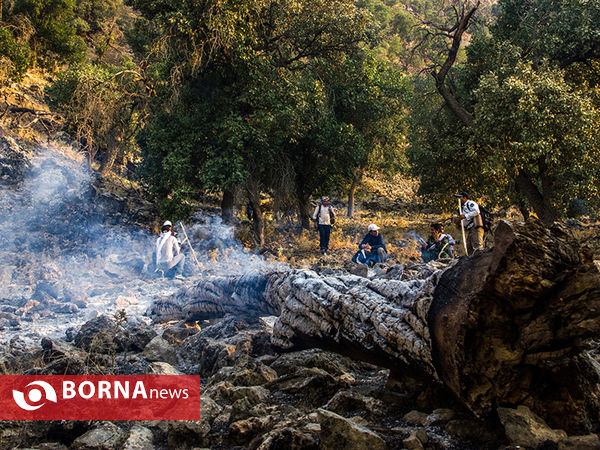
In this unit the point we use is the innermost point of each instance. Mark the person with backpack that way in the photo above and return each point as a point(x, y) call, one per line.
point(472, 220)
point(324, 218)
point(372, 249)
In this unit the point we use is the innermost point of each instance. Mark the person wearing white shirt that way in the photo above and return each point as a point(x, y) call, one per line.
point(169, 258)
point(324, 218)
point(472, 221)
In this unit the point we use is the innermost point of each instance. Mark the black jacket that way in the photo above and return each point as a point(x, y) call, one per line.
point(374, 241)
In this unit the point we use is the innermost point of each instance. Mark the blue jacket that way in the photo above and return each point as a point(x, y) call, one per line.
point(374, 241)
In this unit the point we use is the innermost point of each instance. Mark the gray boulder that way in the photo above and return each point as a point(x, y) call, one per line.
point(338, 432)
point(140, 438)
point(159, 350)
point(525, 428)
point(162, 368)
point(105, 436)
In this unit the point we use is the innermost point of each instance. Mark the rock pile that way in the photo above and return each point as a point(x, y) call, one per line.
point(253, 395)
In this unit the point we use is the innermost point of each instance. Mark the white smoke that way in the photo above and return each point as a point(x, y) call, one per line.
point(65, 262)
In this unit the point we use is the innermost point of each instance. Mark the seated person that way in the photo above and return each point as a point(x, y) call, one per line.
point(372, 249)
point(169, 258)
point(439, 245)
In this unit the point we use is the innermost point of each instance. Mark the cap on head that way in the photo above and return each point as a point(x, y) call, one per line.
point(167, 224)
point(462, 194)
point(373, 227)
point(325, 198)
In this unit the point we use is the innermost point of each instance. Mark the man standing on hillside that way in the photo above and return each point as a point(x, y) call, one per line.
point(324, 218)
point(472, 221)
point(169, 258)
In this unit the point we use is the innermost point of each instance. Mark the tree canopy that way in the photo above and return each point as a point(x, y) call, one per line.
point(292, 99)
point(525, 111)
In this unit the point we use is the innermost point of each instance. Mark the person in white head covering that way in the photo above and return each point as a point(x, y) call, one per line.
point(169, 258)
point(324, 218)
point(372, 249)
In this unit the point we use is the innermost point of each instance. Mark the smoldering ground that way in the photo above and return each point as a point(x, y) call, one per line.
point(67, 257)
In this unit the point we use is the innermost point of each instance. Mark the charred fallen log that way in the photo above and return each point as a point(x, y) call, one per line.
point(504, 327)
point(217, 296)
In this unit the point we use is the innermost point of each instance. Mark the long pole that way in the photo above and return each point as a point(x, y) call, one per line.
point(462, 227)
point(190, 244)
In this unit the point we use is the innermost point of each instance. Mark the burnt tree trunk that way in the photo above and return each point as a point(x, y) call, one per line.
point(258, 219)
point(227, 206)
point(356, 177)
point(504, 327)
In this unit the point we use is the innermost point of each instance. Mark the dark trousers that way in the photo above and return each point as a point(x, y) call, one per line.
point(324, 233)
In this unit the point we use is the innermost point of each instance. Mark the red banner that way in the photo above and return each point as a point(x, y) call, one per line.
point(99, 397)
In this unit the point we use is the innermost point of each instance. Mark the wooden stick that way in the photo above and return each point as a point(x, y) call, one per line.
point(190, 244)
point(462, 227)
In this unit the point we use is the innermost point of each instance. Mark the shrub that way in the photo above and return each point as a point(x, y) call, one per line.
point(18, 54)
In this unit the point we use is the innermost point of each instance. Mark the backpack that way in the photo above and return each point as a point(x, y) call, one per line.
point(486, 218)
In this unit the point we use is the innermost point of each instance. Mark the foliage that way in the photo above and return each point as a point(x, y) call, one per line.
point(16, 53)
point(102, 105)
point(437, 152)
point(562, 31)
point(285, 102)
point(97, 14)
point(54, 33)
point(532, 121)
point(531, 141)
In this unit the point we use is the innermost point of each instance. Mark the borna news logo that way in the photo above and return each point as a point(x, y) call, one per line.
point(100, 397)
point(35, 396)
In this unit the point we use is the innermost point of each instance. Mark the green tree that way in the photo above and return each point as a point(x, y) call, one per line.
point(254, 96)
point(104, 108)
point(54, 33)
point(366, 96)
point(561, 31)
point(536, 130)
point(514, 125)
point(15, 52)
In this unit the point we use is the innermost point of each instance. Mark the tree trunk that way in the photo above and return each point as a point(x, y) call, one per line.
point(304, 210)
point(502, 328)
point(541, 202)
point(356, 177)
point(258, 220)
point(524, 212)
point(112, 150)
point(462, 24)
point(227, 206)
point(550, 211)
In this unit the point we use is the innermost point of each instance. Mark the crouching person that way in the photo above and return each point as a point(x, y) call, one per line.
point(440, 245)
point(169, 258)
point(372, 249)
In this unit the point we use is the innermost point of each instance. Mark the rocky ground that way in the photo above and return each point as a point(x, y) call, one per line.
point(255, 396)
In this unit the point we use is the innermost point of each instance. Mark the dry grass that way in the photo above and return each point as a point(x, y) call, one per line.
point(300, 247)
